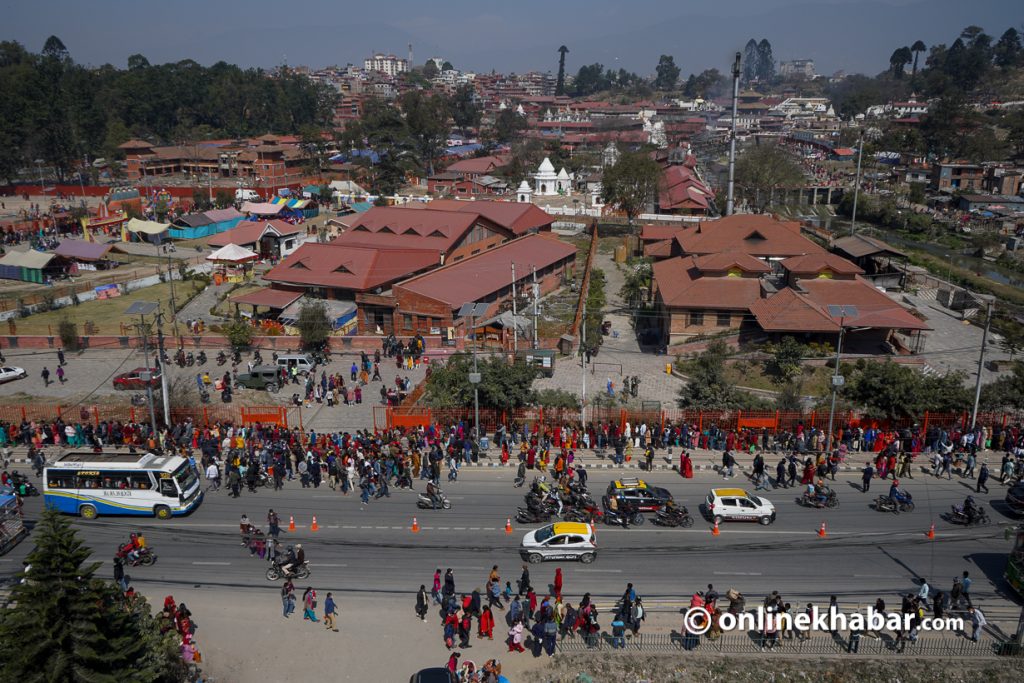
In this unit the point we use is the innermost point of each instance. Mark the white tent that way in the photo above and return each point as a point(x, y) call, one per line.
point(147, 227)
point(262, 208)
point(233, 253)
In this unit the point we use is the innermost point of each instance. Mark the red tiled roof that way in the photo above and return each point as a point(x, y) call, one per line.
point(755, 234)
point(727, 259)
point(480, 276)
point(815, 263)
point(789, 311)
point(274, 298)
point(659, 250)
point(519, 217)
point(347, 267)
point(395, 226)
point(478, 164)
point(651, 233)
point(680, 285)
point(249, 232)
point(874, 308)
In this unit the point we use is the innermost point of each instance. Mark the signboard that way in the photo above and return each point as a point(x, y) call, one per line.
point(107, 291)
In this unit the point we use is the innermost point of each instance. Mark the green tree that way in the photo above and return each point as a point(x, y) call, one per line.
point(707, 387)
point(899, 60)
point(313, 324)
point(890, 390)
point(223, 198)
point(68, 332)
point(667, 73)
point(789, 397)
point(447, 66)
point(765, 61)
point(917, 48)
point(430, 70)
point(590, 79)
point(1008, 52)
point(465, 111)
point(632, 183)
point(763, 169)
point(1007, 392)
point(314, 142)
point(502, 385)
point(750, 61)
point(201, 199)
point(239, 333)
point(508, 125)
point(67, 625)
point(786, 361)
point(560, 82)
point(596, 300)
point(557, 398)
point(426, 117)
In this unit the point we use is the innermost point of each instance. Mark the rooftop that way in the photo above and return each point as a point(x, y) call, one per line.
point(681, 285)
point(755, 234)
point(343, 266)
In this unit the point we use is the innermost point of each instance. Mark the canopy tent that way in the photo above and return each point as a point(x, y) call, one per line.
point(262, 208)
point(216, 221)
point(342, 314)
point(29, 266)
point(233, 253)
point(150, 230)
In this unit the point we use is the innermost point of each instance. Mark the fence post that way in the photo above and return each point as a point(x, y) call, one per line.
point(131, 414)
point(23, 414)
point(739, 418)
point(814, 417)
point(776, 420)
point(284, 417)
point(663, 420)
point(925, 427)
point(206, 417)
point(96, 416)
point(700, 421)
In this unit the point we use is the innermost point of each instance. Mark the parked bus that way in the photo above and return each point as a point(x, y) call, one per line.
point(121, 483)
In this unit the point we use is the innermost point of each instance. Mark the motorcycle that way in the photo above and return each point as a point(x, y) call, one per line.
point(620, 517)
point(179, 358)
point(885, 504)
point(204, 396)
point(530, 516)
point(222, 358)
point(257, 359)
point(679, 516)
point(225, 395)
point(423, 502)
point(958, 516)
point(813, 501)
point(190, 359)
point(24, 488)
point(584, 513)
point(276, 572)
point(201, 358)
point(144, 557)
point(236, 357)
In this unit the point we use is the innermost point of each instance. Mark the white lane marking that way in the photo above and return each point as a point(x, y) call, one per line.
point(737, 573)
point(401, 527)
point(366, 527)
point(349, 526)
point(600, 571)
point(324, 564)
point(474, 528)
point(382, 527)
point(458, 528)
point(217, 564)
point(332, 526)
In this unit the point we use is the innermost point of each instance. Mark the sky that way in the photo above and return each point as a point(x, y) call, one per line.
point(856, 36)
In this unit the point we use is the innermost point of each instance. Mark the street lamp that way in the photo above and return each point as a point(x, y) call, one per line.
point(474, 311)
point(142, 309)
point(841, 312)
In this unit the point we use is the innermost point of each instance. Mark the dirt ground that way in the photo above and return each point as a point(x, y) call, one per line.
point(636, 668)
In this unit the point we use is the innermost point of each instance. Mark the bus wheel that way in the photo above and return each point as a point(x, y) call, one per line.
point(87, 512)
point(162, 512)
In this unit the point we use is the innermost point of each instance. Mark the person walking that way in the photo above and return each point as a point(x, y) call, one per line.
point(866, 477)
point(45, 374)
point(287, 598)
point(273, 524)
point(309, 604)
point(330, 611)
point(982, 478)
point(486, 623)
point(515, 638)
point(965, 588)
point(978, 622)
point(60, 357)
point(558, 583)
point(422, 603)
point(119, 577)
point(435, 592)
point(60, 374)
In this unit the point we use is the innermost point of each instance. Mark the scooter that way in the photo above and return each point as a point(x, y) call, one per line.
point(958, 516)
point(201, 358)
point(24, 488)
point(813, 501)
point(423, 502)
point(528, 516)
point(222, 358)
point(276, 571)
point(225, 396)
point(679, 516)
point(885, 504)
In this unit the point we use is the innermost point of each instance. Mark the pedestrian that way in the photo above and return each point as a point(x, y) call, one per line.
point(978, 622)
point(274, 524)
point(925, 589)
point(60, 374)
point(524, 580)
point(486, 623)
point(288, 598)
point(558, 583)
point(60, 357)
point(435, 592)
point(422, 603)
point(330, 611)
point(309, 604)
point(965, 588)
point(636, 615)
point(982, 478)
point(119, 577)
point(45, 374)
point(867, 476)
point(515, 638)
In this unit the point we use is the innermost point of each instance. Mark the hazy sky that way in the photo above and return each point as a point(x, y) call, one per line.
point(508, 35)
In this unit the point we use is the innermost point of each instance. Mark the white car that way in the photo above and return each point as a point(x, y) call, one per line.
point(560, 541)
point(736, 505)
point(8, 374)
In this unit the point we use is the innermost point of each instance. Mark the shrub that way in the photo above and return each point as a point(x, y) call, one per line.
point(68, 332)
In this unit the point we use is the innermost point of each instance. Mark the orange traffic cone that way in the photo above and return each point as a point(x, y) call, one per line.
point(821, 531)
point(314, 526)
point(508, 525)
point(931, 532)
point(714, 529)
point(291, 523)
point(415, 526)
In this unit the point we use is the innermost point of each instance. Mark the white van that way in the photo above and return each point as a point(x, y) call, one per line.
point(300, 361)
point(245, 195)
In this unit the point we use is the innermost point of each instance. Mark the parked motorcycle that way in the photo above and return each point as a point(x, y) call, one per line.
point(530, 516)
point(179, 358)
point(885, 504)
point(201, 358)
point(813, 501)
point(423, 502)
point(225, 396)
point(276, 571)
point(676, 516)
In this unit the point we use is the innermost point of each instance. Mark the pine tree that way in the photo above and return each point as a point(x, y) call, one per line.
point(69, 626)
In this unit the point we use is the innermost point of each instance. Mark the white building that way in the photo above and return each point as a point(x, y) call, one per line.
point(797, 67)
point(387, 64)
point(545, 179)
point(524, 195)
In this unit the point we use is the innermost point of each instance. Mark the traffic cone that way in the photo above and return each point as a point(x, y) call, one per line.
point(415, 526)
point(508, 525)
point(821, 531)
point(291, 523)
point(314, 526)
point(714, 529)
point(931, 532)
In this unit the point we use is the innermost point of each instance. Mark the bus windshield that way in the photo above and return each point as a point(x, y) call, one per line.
point(186, 477)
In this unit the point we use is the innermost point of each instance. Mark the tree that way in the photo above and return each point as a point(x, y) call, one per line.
point(707, 84)
point(315, 142)
point(508, 124)
point(430, 70)
point(67, 625)
point(631, 183)
point(239, 333)
point(465, 111)
point(917, 48)
point(667, 73)
point(137, 61)
point(707, 387)
point(313, 324)
point(447, 66)
point(750, 61)
point(556, 398)
point(560, 83)
point(590, 79)
point(1007, 52)
point(765, 61)
point(502, 385)
point(54, 48)
point(889, 390)
point(789, 397)
point(1007, 392)
point(68, 332)
point(426, 117)
point(786, 359)
point(898, 61)
point(762, 169)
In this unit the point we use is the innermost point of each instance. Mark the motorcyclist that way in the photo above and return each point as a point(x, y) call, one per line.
point(897, 495)
point(970, 509)
point(821, 492)
point(434, 493)
point(293, 558)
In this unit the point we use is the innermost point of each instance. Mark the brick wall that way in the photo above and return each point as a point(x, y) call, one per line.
point(684, 323)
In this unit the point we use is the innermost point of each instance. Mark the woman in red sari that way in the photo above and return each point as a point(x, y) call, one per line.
point(686, 466)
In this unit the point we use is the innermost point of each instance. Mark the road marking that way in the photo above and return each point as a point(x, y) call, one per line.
point(398, 527)
point(601, 571)
point(474, 528)
point(332, 526)
point(383, 527)
point(458, 528)
point(366, 527)
point(217, 564)
point(323, 564)
point(444, 528)
point(737, 573)
point(349, 526)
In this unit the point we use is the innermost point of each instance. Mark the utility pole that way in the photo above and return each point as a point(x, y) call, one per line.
point(536, 296)
point(515, 324)
point(583, 360)
point(144, 333)
point(729, 202)
point(476, 388)
point(981, 365)
point(835, 387)
point(163, 371)
point(856, 186)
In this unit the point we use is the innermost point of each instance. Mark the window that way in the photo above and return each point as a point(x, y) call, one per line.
point(697, 318)
point(724, 318)
point(406, 321)
point(57, 479)
point(168, 489)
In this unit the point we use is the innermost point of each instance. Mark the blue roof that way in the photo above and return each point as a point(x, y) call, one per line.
point(462, 150)
point(361, 207)
point(373, 156)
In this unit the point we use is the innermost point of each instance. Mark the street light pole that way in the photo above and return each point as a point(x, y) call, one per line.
point(515, 325)
point(981, 366)
point(729, 204)
point(475, 379)
point(856, 186)
point(583, 360)
point(835, 387)
point(148, 375)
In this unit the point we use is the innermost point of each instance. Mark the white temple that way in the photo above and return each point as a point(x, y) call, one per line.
point(545, 179)
point(525, 193)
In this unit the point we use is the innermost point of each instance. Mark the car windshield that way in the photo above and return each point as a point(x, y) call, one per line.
point(544, 533)
point(185, 477)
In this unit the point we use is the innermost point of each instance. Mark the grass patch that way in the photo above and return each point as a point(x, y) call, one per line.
point(814, 381)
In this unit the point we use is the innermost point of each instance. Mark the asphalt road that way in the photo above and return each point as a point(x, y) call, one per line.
point(371, 549)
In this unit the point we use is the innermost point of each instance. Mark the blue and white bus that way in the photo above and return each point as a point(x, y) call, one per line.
point(121, 483)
